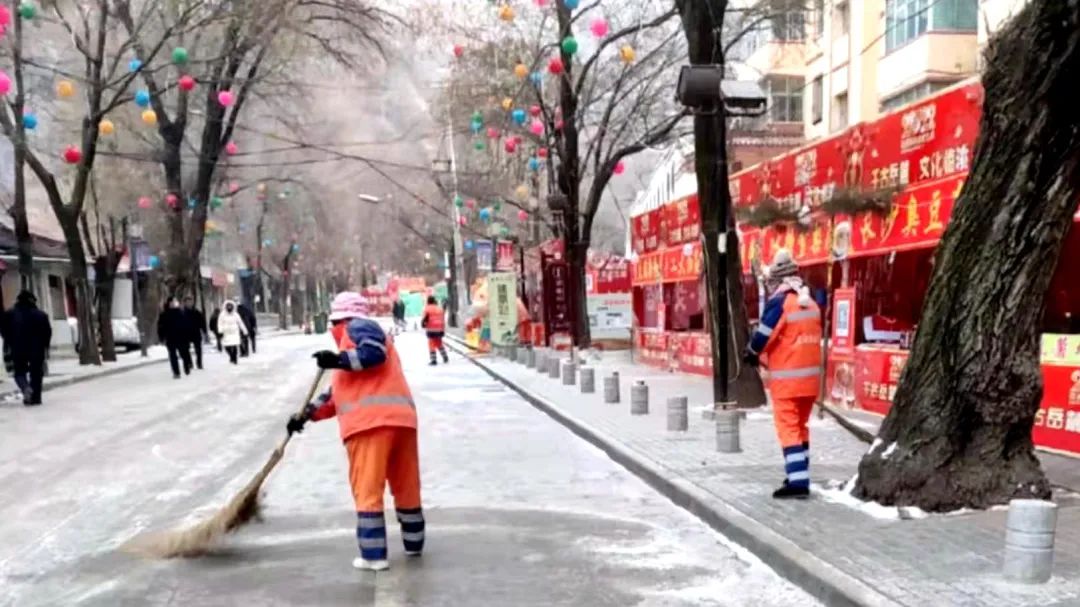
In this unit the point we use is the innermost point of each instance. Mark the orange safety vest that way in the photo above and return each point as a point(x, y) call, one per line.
point(436, 320)
point(376, 397)
point(794, 351)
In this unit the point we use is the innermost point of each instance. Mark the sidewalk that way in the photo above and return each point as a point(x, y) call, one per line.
point(65, 371)
point(842, 551)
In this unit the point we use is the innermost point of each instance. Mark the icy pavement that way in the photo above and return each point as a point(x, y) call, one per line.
point(520, 512)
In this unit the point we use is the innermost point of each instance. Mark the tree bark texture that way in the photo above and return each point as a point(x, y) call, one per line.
point(710, 163)
point(959, 431)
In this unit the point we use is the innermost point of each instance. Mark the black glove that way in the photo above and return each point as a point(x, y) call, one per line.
point(751, 359)
point(296, 423)
point(328, 360)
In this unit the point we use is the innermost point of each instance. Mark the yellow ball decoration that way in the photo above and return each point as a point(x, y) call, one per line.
point(521, 71)
point(65, 89)
point(149, 117)
point(261, 188)
point(626, 53)
point(507, 103)
point(522, 191)
point(506, 12)
point(106, 127)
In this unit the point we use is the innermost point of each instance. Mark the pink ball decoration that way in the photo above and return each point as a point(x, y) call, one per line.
point(619, 168)
point(542, 152)
point(231, 148)
point(534, 111)
point(459, 50)
point(5, 16)
point(172, 200)
point(523, 215)
point(493, 133)
point(510, 146)
point(555, 66)
point(462, 220)
point(186, 83)
point(537, 127)
point(541, 3)
point(145, 202)
point(599, 27)
point(558, 124)
point(5, 83)
point(234, 187)
point(226, 98)
point(470, 203)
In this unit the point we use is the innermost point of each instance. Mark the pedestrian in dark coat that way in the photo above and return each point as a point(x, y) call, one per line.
point(214, 326)
point(27, 332)
point(250, 323)
point(196, 324)
point(173, 331)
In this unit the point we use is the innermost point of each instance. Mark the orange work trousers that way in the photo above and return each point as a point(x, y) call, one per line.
point(379, 455)
point(791, 416)
point(434, 344)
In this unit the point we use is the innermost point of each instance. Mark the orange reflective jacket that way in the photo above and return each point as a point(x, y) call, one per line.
point(434, 319)
point(794, 350)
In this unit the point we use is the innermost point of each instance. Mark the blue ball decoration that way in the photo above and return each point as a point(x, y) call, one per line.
point(296, 248)
point(476, 126)
point(518, 116)
point(155, 261)
point(536, 78)
point(571, 4)
point(30, 121)
point(534, 164)
point(268, 242)
point(134, 65)
point(192, 203)
point(485, 214)
point(469, 245)
point(142, 98)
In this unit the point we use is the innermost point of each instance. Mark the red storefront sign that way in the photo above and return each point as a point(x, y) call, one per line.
point(645, 237)
point(681, 263)
point(647, 269)
point(877, 372)
point(1057, 423)
point(611, 275)
point(680, 221)
point(652, 349)
point(692, 352)
point(504, 256)
point(557, 298)
point(842, 340)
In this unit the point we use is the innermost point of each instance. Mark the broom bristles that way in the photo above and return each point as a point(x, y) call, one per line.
point(196, 540)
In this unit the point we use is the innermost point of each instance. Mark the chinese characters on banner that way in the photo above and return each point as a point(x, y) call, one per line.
point(612, 275)
point(692, 353)
point(502, 308)
point(680, 221)
point(673, 264)
point(645, 237)
point(843, 323)
point(557, 298)
point(877, 373)
point(1057, 422)
point(504, 256)
point(652, 349)
point(484, 255)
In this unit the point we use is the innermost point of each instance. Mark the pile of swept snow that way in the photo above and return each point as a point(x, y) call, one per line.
point(840, 493)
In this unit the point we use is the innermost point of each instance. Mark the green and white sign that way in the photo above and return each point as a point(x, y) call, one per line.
point(502, 307)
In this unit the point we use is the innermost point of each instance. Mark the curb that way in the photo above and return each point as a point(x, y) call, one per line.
point(827, 583)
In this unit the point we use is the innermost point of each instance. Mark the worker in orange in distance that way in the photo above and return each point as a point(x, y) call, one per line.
point(789, 338)
point(434, 322)
point(377, 418)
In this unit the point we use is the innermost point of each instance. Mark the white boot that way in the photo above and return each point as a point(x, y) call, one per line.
point(360, 563)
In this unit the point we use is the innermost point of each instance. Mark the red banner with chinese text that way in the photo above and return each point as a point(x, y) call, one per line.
point(917, 220)
point(877, 372)
point(681, 221)
point(691, 353)
point(1057, 423)
point(647, 269)
point(645, 234)
point(681, 263)
point(652, 348)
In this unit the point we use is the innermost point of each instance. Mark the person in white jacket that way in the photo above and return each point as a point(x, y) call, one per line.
point(232, 330)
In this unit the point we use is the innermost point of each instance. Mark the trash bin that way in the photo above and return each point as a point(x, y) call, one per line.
point(320, 323)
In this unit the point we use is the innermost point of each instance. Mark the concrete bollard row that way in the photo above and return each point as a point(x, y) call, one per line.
point(611, 388)
point(1029, 541)
point(678, 414)
point(530, 358)
point(727, 430)
point(542, 355)
point(569, 372)
point(639, 398)
point(553, 365)
point(588, 380)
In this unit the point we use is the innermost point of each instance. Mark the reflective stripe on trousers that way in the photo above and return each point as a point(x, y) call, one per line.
point(803, 315)
point(795, 373)
point(412, 528)
point(371, 535)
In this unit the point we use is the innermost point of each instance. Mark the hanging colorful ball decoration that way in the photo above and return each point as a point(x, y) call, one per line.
point(462, 220)
point(234, 187)
point(155, 262)
point(5, 83)
point(172, 200)
point(192, 203)
point(65, 89)
point(540, 3)
point(475, 126)
point(231, 148)
point(571, 4)
point(506, 13)
point(479, 145)
point(627, 54)
point(216, 202)
point(523, 215)
point(599, 27)
point(518, 116)
point(106, 127)
point(72, 154)
point(504, 231)
point(145, 202)
point(29, 120)
point(261, 188)
point(296, 248)
point(510, 146)
point(149, 117)
point(458, 201)
point(492, 132)
point(619, 168)
point(522, 191)
point(134, 65)
point(534, 163)
point(27, 10)
point(536, 78)
point(267, 242)
point(555, 66)
point(459, 50)
point(469, 245)
point(142, 98)
point(226, 98)
point(507, 103)
point(485, 215)
point(470, 204)
point(521, 71)
point(5, 16)
point(542, 152)
point(186, 83)
point(537, 128)
point(569, 45)
point(534, 110)
point(179, 55)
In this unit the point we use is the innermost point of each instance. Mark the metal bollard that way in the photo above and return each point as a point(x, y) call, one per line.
point(639, 398)
point(588, 380)
point(727, 430)
point(530, 358)
point(677, 416)
point(611, 388)
point(1029, 540)
point(569, 372)
point(553, 366)
point(542, 356)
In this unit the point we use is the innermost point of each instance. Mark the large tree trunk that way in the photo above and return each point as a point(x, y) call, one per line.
point(959, 432)
point(24, 241)
point(710, 160)
point(104, 281)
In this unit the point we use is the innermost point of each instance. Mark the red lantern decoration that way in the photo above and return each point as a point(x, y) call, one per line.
point(459, 50)
point(542, 152)
point(186, 83)
point(555, 66)
point(534, 111)
point(72, 154)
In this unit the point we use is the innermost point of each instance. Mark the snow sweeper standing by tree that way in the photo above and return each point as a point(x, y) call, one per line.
point(377, 418)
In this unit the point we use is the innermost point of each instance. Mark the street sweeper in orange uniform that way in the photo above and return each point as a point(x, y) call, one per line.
point(377, 418)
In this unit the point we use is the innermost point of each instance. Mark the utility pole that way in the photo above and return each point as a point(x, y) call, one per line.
point(133, 266)
point(458, 256)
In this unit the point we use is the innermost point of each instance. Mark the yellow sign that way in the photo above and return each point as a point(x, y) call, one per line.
point(1060, 349)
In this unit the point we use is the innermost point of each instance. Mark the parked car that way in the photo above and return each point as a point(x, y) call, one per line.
point(125, 333)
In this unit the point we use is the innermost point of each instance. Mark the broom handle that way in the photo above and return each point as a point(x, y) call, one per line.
point(303, 407)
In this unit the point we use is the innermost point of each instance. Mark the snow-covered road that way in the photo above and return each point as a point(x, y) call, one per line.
point(520, 511)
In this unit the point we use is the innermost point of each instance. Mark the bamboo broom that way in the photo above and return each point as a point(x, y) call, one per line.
point(243, 507)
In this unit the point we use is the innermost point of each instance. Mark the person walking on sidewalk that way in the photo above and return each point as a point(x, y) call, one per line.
point(27, 332)
point(377, 422)
point(434, 322)
point(789, 338)
point(173, 331)
point(233, 330)
point(214, 328)
point(398, 312)
point(196, 324)
point(250, 323)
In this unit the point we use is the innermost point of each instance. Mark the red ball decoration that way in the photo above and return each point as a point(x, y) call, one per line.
point(555, 66)
point(534, 111)
point(172, 200)
point(231, 148)
point(459, 50)
point(510, 146)
point(493, 133)
point(558, 125)
point(462, 220)
point(72, 154)
point(186, 83)
point(470, 204)
point(523, 215)
point(542, 152)
point(619, 168)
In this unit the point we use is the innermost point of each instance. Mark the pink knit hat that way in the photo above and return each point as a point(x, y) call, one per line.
point(348, 304)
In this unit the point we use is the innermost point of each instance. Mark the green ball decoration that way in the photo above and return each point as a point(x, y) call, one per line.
point(477, 116)
point(458, 202)
point(569, 45)
point(497, 206)
point(180, 55)
point(504, 231)
point(27, 10)
point(216, 202)
point(479, 145)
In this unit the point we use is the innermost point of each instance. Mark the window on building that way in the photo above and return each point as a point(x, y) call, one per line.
point(817, 100)
point(57, 310)
point(959, 15)
point(819, 19)
point(841, 19)
point(906, 20)
point(840, 112)
point(912, 94)
point(788, 20)
point(785, 98)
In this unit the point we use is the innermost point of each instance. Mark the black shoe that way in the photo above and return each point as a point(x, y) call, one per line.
point(787, 492)
point(32, 403)
point(176, 376)
point(446, 360)
point(199, 367)
point(432, 363)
